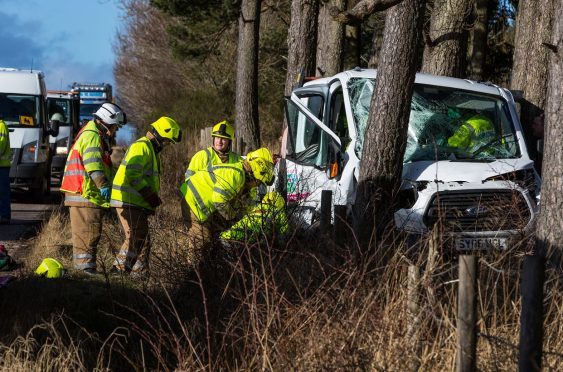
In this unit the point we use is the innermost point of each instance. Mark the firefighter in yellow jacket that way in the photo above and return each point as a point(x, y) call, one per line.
point(223, 135)
point(135, 194)
point(215, 196)
point(5, 163)
point(87, 181)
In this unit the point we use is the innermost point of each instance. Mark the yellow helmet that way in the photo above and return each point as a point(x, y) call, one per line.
point(223, 130)
point(262, 166)
point(274, 200)
point(50, 268)
point(167, 128)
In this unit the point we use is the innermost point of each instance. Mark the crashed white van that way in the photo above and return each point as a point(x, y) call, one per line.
point(481, 194)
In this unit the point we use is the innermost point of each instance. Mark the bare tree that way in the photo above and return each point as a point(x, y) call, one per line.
point(549, 232)
point(301, 41)
point(246, 117)
point(386, 133)
point(478, 40)
point(529, 69)
point(330, 39)
point(446, 42)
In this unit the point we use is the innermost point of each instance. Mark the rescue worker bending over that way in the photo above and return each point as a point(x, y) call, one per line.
point(5, 164)
point(214, 196)
point(265, 220)
point(135, 194)
point(223, 135)
point(472, 134)
point(87, 181)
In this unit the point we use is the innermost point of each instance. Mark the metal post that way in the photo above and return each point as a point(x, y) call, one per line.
point(466, 314)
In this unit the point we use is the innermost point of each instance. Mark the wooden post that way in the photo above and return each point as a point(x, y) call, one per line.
point(466, 314)
point(531, 316)
point(413, 311)
point(326, 209)
point(340, 227)
point(281, 181)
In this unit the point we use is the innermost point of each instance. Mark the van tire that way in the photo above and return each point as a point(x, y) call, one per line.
point(42, 192)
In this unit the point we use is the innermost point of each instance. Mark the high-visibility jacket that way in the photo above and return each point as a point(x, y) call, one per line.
point(139, 169)
point(207, 157)
point(262, 219)
point(89, 153)
point(213, 188)
point(476, 130)
point(5, 151)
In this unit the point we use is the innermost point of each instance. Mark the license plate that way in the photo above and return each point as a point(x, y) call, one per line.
point(471, 244)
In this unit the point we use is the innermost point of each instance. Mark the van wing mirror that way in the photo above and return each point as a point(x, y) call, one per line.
point(54, 128)
point(335, 160)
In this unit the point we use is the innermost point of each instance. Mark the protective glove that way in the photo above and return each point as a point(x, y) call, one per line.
point(105, 192)
point(153, 200)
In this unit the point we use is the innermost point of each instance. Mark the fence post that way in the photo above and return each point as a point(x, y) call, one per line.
point(531, 316)
point(326, 208)
point(466, 314)
point(281, 178)
point(340, 227)
point(413, 311)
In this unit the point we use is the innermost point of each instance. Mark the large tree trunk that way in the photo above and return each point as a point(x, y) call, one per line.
point(330, 39)
point(301, 41)
point(352, 41)
point(549, 232)
point(246, 120)
point(386, 133)
point(478, 44)
point(529, 69)
point(446, 44)
point(377, 40)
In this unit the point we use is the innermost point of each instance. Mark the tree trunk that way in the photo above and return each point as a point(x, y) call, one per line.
point(478, 45)
point(246, 120)
point(377, 40)
point(446, 44)
point(301, 41)
point(529, 69)
point(352, 41)
point(385, 137)
point(330, 39)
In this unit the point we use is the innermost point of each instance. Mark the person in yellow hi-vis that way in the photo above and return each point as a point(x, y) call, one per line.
point(215, 196)
point(472, 133)
point(5, 164)
point(134, 194)
point(264, 220)
point(87, 181)
point(223, 135)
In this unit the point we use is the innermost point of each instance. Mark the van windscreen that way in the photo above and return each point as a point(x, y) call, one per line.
point(20, 110)
point(446, 123)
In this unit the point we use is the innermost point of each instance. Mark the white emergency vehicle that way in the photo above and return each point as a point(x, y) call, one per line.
point(482, 193)
point(22, 107)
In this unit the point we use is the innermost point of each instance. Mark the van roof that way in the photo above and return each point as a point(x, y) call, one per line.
point(426, 79)
point(21, 81)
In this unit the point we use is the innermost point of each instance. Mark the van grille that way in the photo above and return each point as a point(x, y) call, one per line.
point(485, 210)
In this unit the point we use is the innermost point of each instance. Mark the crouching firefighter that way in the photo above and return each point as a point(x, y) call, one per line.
point(267, 220)
point(87, 181)
point(134, 194)
point(215, 196)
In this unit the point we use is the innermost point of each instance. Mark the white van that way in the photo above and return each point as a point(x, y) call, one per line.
point(22, 107)
point(482, 195)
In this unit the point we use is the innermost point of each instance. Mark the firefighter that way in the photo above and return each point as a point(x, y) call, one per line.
point(266, 219)
point(472, 133)
point(5, 163)
point(223, 135)
point(215, 196)
point(87, 181)
point(134, 194)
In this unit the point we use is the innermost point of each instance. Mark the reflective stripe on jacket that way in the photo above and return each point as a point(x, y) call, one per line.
point(478, 128)
point(5, 151)
point(139, 169)
point(212, 188)
point(89, 153)
point(207, 157)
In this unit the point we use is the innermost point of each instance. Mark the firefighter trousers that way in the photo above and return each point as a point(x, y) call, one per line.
point(135, 250)
point(86, 226)
point(202, 235)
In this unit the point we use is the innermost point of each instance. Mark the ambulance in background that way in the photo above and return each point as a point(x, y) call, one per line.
point(64, 108)
point(23, 109)
point(92, 96)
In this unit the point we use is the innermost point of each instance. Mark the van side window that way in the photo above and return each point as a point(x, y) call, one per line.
point(338, 121)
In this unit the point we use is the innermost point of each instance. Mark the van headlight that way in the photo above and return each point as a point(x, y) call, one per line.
point(62, 146)
point(33, 153)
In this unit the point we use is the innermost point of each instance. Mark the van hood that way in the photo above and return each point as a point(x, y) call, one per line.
point(462, 171)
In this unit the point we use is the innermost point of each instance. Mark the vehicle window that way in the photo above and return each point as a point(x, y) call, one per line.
point(446, 123)
point(19, 110)
point(338, 122)
point(307, 143)
point(87, 110)
point(59, 106)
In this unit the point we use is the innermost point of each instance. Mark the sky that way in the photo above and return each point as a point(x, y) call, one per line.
point(69, 40)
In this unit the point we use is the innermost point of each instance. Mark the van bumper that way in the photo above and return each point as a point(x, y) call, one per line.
point(27, 174)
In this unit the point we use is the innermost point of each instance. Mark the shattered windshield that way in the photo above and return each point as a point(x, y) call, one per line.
point(445, 123)
point(19, 110)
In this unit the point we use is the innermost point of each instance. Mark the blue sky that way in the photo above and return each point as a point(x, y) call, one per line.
point(69, 40)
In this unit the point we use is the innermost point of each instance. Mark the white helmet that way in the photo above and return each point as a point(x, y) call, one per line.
point(111, 114)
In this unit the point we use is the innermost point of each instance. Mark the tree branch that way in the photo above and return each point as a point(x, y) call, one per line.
point(361, 11)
